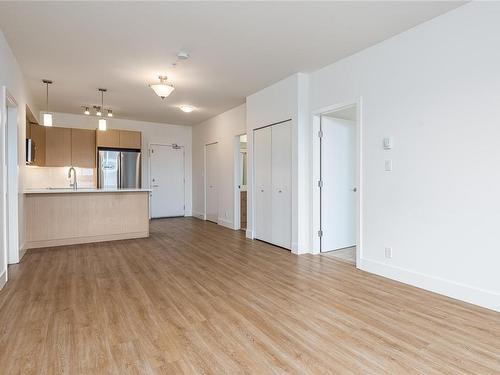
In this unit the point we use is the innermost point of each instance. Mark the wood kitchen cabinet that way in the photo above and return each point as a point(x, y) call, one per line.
point(58, 147)
point(83, 148)
point(37, 134)
point(108, 138)
point(130, 139)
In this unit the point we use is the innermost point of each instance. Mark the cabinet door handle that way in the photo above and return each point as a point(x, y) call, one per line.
point(280, 191)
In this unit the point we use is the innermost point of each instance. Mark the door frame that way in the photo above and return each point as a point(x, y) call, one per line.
point(149, 171)
point(236, 178)
point(205, 181)
point(316, 173)
point(9, 128)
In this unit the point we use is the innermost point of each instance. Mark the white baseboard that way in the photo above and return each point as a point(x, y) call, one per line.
point(225, 223)
point(199, 215)
point(249, 234)
point(22, 252)
point(3, 279)
point(476, 296)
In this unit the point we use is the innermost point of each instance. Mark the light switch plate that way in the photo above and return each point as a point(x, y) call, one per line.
point(388, 165)
point(388, 143)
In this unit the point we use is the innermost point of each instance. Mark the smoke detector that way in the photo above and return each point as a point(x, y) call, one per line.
point(182, 55)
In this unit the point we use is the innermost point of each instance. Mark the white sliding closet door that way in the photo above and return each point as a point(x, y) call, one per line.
point(262, 173)
point(281, 166)
point(211, 178)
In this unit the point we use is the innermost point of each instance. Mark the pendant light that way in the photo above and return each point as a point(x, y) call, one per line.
point(47, 116)
point(162, 89)
point(102, 121)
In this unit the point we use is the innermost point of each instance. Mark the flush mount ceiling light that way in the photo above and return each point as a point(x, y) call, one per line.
point(47, 116)
point(162, 89)
point(186, 108)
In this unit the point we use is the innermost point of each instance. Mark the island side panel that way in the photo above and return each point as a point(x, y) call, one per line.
point(72, 218)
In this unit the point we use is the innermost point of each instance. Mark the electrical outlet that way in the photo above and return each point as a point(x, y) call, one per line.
point(388, 165)
point(388, 252)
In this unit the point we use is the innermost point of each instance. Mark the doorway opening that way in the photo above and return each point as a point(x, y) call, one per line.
point(10, 180)
point(167, 180)
point(338, 183)
point(211, 182)
point(241, 176)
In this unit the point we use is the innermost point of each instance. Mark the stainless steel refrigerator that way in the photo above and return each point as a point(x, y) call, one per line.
point(119, 169)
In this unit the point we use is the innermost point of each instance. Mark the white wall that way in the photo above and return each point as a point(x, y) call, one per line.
point(151, 133)
point(436, 90)
point(12, 78)
point(286, 99)
point(222, 129)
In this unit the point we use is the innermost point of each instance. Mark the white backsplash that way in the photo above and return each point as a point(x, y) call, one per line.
point(57, 177)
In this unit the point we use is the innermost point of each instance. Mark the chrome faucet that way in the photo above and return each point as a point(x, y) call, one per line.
point(73, 184)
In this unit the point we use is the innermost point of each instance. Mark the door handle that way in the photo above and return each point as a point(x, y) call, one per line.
point(280, 191)
point(354, 189)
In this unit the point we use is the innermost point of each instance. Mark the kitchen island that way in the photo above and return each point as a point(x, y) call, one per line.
point(56, 217)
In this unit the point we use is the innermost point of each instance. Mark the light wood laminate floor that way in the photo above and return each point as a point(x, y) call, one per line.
point(197, 298)
point(347, 255)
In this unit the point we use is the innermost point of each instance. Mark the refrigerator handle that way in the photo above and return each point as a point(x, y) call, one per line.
point(119, 171)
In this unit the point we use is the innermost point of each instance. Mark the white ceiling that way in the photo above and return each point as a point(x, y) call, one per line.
point(236, 48)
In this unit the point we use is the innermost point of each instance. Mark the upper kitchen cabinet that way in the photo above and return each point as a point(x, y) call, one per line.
point(114, 138)
point(37, 135)
point(58, 147)
point(130, 139)
point(108, 138)
point(83, 148)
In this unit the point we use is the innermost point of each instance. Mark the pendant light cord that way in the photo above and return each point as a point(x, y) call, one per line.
point(47, 96)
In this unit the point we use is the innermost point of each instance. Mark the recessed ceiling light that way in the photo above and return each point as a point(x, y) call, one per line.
point(186, 108)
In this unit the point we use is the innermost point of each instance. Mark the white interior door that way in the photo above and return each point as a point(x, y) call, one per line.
point(167, 181)
point(281, 206)
point(262, 150)
point(211, 183)
point(338, 194)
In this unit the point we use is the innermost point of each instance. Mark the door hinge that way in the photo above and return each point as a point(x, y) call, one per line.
point(320, 134)
point(320, 233)
point(320, 184)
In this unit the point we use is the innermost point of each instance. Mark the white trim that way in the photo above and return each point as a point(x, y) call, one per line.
point(149, 171)
point(3, 279)
point(295, 248)
point(199, 215)
point(316, 173)
point(225, 223)
point(10, 178)
point(249, 234)
point(205, 180)
point(467, 293)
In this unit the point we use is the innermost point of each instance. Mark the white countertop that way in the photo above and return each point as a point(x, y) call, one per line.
point(83, 190)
